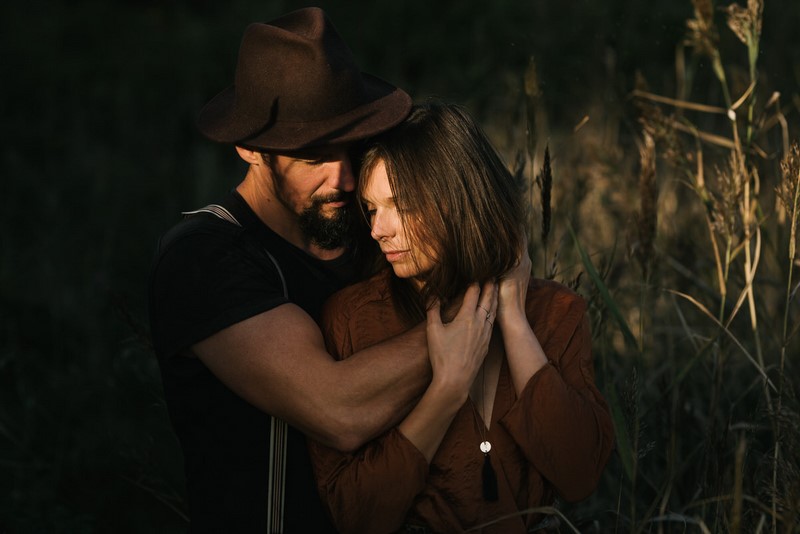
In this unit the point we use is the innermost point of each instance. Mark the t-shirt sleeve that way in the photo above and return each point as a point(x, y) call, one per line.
point(205, 281)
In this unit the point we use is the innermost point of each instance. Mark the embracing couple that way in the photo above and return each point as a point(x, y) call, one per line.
point(350, 340)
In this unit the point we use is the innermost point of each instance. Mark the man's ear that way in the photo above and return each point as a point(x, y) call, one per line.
point(250, 156)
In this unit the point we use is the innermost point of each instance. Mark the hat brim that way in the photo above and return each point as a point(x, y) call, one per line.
point(385, 107)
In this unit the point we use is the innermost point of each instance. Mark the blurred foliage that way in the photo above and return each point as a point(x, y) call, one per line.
point(99, 154)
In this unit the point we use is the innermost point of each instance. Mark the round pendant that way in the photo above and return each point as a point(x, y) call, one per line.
point(486, 447)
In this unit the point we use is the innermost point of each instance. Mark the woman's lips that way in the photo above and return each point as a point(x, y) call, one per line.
point(394, 255)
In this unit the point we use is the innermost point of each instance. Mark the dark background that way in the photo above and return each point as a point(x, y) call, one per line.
point(99, 154)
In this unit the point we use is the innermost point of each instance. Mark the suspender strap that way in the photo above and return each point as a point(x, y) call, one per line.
point(215, 209)
point(279, 433)
point(277, 475)
point(279, 430)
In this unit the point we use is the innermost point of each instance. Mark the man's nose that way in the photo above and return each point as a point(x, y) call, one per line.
point(342, 175)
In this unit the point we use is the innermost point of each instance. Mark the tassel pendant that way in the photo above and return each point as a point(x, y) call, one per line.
point(489, 480)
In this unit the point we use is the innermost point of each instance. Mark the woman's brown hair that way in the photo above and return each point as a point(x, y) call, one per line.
point(455, 196)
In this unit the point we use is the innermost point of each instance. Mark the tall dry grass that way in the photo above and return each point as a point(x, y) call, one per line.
point(677, 217)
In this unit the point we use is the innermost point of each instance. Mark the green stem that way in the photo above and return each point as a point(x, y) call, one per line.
point(719, 71)
point(752, 53)
point(748, 262)
point(723, 290)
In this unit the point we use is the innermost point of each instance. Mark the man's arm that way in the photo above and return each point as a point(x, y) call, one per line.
point(277, 361)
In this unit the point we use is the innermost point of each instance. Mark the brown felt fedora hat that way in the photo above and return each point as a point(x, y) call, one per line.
point(298, 86)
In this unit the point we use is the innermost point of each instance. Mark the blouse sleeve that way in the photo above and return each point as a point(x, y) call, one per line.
point(372, 489)
point(560, 420)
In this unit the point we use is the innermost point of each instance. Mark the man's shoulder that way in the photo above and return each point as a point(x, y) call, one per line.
point(199, 228)
point(206, 276)
point(204, 237)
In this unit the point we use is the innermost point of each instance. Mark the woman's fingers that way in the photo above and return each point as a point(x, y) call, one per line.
point(471, 300)
point(435, 314)
point(479, 299)
point(488, 301)
point(458, 348)
point(514, 288)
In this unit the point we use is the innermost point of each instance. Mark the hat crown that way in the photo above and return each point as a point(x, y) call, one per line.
point(296, 69)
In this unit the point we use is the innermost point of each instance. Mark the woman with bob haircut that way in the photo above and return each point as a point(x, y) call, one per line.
point(505, 428)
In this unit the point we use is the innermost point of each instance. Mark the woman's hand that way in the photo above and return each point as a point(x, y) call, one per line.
point(457, 349)
point(523, 351)
point(513, 290)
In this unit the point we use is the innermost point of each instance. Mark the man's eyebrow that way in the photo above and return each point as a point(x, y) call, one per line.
point(313, 153)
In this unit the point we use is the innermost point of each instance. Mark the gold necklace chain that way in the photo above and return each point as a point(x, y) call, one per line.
point(489, 478)
point(485, 445)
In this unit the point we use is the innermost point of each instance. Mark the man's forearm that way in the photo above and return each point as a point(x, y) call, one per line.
point(381, 384)
point(277, 362)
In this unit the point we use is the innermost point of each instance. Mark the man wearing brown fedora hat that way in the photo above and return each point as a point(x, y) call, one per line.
point(237, 286)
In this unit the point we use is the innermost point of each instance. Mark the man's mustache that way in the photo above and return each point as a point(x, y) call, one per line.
point(341, 196)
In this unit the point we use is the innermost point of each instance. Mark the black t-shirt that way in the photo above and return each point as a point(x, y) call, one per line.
point(210, 274)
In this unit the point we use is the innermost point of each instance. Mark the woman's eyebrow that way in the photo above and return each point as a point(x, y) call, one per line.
point(387, 200)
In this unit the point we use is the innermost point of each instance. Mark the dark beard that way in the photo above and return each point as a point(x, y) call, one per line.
point(328, 233)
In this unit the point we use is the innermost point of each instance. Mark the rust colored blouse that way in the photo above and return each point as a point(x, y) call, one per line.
point(553, 440)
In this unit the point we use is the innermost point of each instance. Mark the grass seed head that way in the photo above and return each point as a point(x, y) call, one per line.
point(702, 35)
point(788, 192)
point(648, 199)
point(745, 22)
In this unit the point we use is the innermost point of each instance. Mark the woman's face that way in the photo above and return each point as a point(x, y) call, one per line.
point(407, 259)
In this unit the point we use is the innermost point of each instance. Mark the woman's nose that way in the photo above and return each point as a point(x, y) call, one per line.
point(381, 226)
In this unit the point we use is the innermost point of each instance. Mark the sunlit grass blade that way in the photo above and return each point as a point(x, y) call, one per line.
point(747, 354)
point(604, 293)
point(621, 436)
